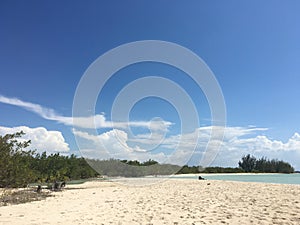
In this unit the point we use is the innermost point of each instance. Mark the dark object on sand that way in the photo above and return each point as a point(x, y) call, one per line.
point(39, 189)
point(63, 184)
point(200, 178)
point(57, 186)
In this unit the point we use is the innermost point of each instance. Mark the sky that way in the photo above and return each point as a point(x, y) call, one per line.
point(252, 48)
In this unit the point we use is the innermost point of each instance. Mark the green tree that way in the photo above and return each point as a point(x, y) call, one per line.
point(264, 165)
point(149, 163)
point(247, 163)
point(15, 162)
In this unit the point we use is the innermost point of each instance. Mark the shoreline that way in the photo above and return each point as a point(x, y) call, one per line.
point(266, 178)
point(224, 174)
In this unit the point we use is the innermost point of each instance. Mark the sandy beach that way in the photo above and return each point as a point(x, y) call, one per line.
point(175, 201)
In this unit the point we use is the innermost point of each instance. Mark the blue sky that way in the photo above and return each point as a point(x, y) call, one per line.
point(252, 47)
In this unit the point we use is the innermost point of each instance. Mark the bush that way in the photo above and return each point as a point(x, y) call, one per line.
point(18, 166)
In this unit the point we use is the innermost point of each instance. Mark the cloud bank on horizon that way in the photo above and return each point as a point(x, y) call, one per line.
point(118, 143)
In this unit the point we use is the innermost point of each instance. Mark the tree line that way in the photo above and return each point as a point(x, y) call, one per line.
point(214, 169)
point(247, 164)
point(18, 166)
point(131, 168)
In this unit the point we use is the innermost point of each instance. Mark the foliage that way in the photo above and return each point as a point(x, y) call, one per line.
point(124, 168)
point(18, 166)
point(247, 163)
point(222, 170)
point(196, 169)
point(137, 163)
point(186, 169)
point(57, 167)
point(264, 165)
point(15, 163)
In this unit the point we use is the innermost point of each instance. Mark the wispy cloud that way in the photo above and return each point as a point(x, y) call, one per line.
point(96, 121)
point(44, 112)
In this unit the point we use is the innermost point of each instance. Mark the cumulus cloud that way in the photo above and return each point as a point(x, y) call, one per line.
point(179, 149)
point(114, 144)
point(41, 138)
point(96, 121)
point(260, 146)
point(176, 149)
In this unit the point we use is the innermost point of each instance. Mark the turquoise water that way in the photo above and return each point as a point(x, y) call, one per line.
point(264, 178)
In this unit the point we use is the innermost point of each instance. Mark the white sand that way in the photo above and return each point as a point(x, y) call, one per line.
point(176, 201)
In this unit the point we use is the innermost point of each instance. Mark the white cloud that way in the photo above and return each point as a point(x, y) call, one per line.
point(114, 144)
point(237, 141)
point(95, 121)
point(178, 149)
point(38, 109)
point(41, 138)
point(259, 146)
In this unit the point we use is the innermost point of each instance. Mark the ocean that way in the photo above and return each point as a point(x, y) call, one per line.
point(263, 178)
